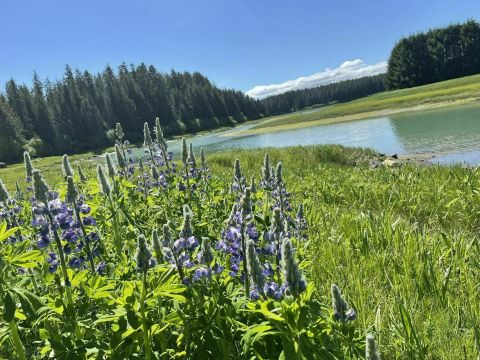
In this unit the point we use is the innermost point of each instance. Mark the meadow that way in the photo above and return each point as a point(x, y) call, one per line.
point(445, 93)
point(192, 258)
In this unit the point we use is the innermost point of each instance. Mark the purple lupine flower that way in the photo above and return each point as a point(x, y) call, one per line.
point(201, 273)
point(89, 221)
point(52, 260)
point(254, 294)
point(101, 267)
point(69, 235)
point(43, 241)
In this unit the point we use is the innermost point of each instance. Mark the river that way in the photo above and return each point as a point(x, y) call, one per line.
point(446, 135)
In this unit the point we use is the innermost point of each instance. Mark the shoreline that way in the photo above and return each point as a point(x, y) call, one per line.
point(351, 117)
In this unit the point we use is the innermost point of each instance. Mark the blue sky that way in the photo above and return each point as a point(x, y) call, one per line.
point(236, 43)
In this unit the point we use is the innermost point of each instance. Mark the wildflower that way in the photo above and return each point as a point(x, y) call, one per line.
point(191, 157)
point(203, 161)
point(246, 203)
point(253, 187)
point(82, 176)
point(120, 159)
point(272, 290)
point(40, 187)
point(277, 223)
point(52, 260)
point(167, 236)
point(341, 312)
point(201, 273)
point(371, 351)
point(238, 178)
point(101, 267)
point(72, 192)
point(119, 132)
point(155, 174)
point(187, 230)
point(18, 192)
point(143, 256)
point(266, 168)
point(278, 173)
point(156, 245)
point(104, 183)
point(301, 223)
point(147, 139)
point(110, 166)
point(4, 195)
point(254, 267)
point(28, 166)
point(254, 294)
point(294, 281)
point(184, 152)
point(205, 255)
point(66, 168)
point(159, 136)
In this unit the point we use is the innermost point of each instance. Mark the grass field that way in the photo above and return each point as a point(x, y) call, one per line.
point(402, 243)
point(49, 167)
point(447, 93)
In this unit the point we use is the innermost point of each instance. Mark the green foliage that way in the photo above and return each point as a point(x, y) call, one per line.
point(341, 91)
point(437, 55)
point(449, 92)
point(74, 114)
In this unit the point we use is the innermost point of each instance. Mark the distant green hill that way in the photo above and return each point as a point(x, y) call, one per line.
point(445, 93)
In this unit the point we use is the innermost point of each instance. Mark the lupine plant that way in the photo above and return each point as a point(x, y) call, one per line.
point(167, 264)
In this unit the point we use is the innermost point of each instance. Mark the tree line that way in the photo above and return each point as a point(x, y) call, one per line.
point(75, 114)
point(341, 91)
point(436, 55)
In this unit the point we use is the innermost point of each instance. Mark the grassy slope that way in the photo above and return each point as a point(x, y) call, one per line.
point(389, 237)
point(456, 91)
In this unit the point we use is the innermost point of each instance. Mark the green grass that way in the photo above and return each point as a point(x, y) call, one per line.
point(454, 91)
point(49, 166)
point(403, 243)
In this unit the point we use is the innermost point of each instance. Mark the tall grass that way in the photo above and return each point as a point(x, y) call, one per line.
point(403, 243)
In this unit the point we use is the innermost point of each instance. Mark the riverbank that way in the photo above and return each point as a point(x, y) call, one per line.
point(449, 93)
point(273, 125)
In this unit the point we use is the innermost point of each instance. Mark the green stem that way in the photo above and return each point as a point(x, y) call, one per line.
point(116, 235)
point(188, 185)
point(63, 265)
point(84, 233)
point(146, 337)
point(16, 340)
point(245, 269)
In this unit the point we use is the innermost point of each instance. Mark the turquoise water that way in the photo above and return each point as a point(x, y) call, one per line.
point(450, 135)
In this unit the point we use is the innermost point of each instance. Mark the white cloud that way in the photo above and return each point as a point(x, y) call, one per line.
point(348, 70)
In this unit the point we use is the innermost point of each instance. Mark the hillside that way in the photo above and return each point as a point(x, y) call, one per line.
point(445, 93)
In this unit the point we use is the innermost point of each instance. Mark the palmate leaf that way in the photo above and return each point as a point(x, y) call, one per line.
point(118, 313)
point(4, 233)
point(30, 302)
point(256, 333)
point(263, 309)
point(173, 291)
point(29, 259)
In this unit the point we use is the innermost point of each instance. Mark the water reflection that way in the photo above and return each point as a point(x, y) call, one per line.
point(438, 131)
